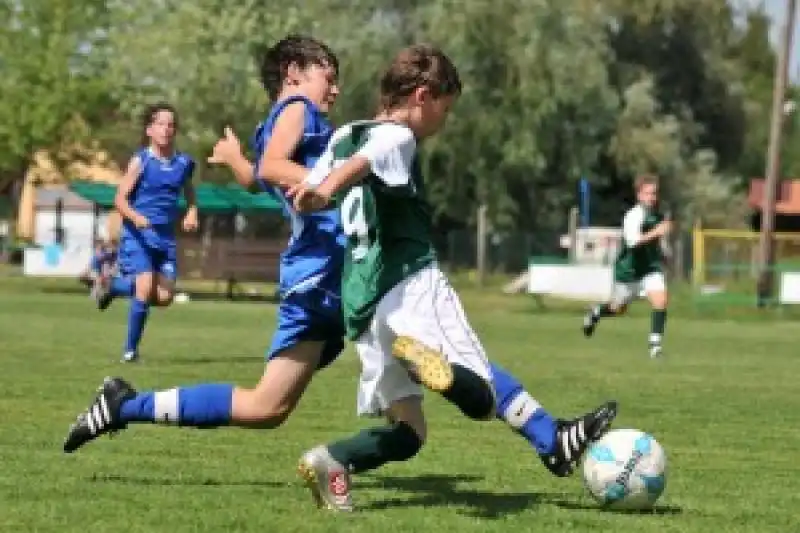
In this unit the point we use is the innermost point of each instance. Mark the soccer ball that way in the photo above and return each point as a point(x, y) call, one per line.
point(625, 469)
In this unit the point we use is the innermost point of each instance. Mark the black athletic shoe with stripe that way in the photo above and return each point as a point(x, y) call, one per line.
point(102, 416)
point(573, 438)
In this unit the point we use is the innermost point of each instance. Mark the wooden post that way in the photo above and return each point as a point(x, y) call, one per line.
point(483, 230)
point(765, 282)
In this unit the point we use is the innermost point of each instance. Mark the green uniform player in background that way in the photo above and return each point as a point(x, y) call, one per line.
point(639, 267)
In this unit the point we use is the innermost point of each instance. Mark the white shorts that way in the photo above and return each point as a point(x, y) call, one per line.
point(624, 293)
point(426, 308)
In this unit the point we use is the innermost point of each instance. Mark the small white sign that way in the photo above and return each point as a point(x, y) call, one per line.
point(790, 288)
point(579, 282)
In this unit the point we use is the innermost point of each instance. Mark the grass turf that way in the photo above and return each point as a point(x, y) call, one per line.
point(723, 403)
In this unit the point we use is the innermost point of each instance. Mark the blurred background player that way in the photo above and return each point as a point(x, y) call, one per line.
point(639, 267)
point(104, 256)
point(147, 199)
point(404, 317)
point(102, 264)
point(299, 74)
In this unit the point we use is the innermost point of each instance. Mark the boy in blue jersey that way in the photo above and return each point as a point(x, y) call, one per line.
point(299, 73)
point(147, 198)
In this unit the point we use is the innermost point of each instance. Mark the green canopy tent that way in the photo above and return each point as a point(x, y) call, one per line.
point(211, 198)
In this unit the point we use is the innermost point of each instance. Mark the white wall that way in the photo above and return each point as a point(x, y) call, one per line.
point(77, 246)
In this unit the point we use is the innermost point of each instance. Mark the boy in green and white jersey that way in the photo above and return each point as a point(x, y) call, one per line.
point(639, 267)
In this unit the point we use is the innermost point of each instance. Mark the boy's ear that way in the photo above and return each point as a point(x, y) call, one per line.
point(421, 95)
point(293, 73)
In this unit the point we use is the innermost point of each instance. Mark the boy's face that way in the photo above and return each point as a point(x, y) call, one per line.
point(648, 195)
point(318, 83)
point(431, 112)
point(161, 130)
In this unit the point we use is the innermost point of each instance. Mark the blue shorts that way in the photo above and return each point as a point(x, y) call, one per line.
point(312, 315)
point(148, 250)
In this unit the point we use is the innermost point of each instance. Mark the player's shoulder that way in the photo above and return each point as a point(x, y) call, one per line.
point(389, 133)
point(140, 156)
point(399, 133)
point(296, 106)
point(635, 212)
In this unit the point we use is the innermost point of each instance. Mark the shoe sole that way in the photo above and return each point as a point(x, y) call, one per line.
point(309, 477)
point(429, 366)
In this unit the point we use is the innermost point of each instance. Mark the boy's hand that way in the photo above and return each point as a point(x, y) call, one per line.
point(227, 148)
point(190, 220)
point(306, 198)
point(140, 221)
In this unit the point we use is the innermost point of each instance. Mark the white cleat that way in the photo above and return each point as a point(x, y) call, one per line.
point(655, 351)
point(130, 357)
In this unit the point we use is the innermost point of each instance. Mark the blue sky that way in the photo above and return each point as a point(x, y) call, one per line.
point(776, 9)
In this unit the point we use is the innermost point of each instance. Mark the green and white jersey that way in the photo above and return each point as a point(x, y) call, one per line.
point(385, 217)
point(635, 260)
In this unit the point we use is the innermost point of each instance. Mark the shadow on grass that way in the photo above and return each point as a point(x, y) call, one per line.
point(443, 490)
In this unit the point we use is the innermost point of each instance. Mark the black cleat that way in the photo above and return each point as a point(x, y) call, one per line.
point(574, 436)
point(589, 323)
point(102, 416)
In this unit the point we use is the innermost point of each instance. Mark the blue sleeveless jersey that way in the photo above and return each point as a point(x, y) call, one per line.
point(158, 190)
point(315, 253)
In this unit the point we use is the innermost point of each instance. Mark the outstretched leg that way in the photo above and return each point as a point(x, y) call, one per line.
point(206, 405)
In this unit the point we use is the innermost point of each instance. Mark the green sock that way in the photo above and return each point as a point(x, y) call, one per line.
point(658, 321)
point(375, 447)
point(470, 393)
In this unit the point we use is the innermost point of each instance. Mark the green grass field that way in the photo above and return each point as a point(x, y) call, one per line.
point(724, 404)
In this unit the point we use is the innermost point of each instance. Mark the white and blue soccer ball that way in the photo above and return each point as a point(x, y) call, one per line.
point(625, 469)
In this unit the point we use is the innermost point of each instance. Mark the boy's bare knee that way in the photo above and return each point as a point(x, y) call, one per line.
point(271, 415)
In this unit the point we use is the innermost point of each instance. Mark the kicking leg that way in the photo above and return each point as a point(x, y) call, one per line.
point(206, 405)
point(559, 443)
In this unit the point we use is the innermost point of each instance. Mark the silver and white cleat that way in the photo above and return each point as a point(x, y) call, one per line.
point(328, 481)
point(655, 351)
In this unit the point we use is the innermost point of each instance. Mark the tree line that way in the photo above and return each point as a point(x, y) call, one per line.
point(555, 92)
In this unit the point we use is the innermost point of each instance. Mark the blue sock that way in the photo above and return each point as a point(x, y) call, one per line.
point(522, 412)
point(202, 406)
point(137, 318)
point(122, 286)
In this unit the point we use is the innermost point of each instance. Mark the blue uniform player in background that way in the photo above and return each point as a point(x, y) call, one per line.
point(101, 265)
point(147, 198)
point(299, 73)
